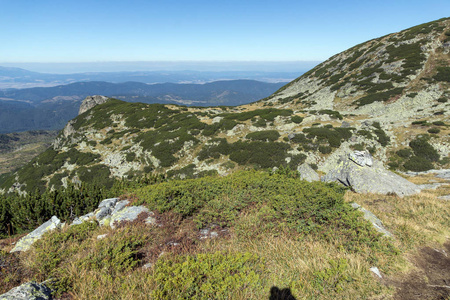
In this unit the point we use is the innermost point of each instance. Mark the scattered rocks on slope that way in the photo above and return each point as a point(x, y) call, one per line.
point(28, 291)
point(369, 179)
point(112, 211)
point(307, 173)
point(109, 212)
point(25, 243)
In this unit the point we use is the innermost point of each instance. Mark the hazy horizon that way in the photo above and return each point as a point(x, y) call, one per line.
point(161, 66)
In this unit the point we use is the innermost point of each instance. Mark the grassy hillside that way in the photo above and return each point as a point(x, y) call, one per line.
point(243, 236)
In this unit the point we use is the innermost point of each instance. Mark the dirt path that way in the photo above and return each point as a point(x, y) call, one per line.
point(431, 279)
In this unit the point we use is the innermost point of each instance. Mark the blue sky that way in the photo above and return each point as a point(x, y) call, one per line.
point(198, 30)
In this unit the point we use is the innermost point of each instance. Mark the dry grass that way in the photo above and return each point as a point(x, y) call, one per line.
point(415, 221)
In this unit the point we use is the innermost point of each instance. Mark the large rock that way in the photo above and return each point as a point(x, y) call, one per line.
point(307, 173)
point(91, 101)
point(28, 291)
point(130, 213)
point(365, 179)
point(25, 243)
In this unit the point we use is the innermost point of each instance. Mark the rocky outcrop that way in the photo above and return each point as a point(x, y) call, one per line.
point(111, 212)
point(307, 173)
point(91, 101)
point(28, 291)
point(25, 243)
point(369, 179)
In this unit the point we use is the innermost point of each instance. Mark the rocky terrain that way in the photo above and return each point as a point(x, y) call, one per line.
point(388, 96)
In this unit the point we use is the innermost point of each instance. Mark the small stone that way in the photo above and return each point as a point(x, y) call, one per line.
point(345, 124)
point(102, 236)
point(147, 266)
point(376, 271)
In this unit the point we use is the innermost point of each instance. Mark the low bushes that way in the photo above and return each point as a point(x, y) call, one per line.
point(265, 135)
point(216, 275)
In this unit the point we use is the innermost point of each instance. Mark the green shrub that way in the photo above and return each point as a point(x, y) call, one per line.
point(365, 133)
point(411, 54)
point(434, 130)
point(423, 149)
point(418, 164)
point(380, 96)
point(296, 119)
point(421, 122)
point(332, 279)
point(50, 250)
point(332, 113)
point(382, 137)
point(404, 153)
point(268, 114)
point(218, 275)
point(332, 136)
point(224, 124)
point(443, 74)
point(300, 138)
point(439, 123)
point(114, 254)
point(325, 149)
point(130, 156)
point(262, 154)
point(265, 135)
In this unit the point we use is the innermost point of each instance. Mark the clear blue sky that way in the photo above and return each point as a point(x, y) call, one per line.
point(199, 30)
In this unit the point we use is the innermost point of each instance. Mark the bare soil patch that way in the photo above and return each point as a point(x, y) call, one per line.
point(430, 279)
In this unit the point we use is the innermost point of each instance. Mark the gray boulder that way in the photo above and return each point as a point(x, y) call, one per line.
point(307, 173)
point(128, 214)
point(369, 216)
point(28, 291)
point(25, 243)
point(364, 179)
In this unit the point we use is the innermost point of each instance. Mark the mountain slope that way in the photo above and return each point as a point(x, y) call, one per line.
point(388, 96)
point(400, 75)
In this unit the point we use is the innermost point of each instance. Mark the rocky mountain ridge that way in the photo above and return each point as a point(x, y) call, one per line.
point(388, 96)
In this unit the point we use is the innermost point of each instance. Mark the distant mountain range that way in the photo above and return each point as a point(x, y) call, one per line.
point(51, 107)
point(20, 78)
